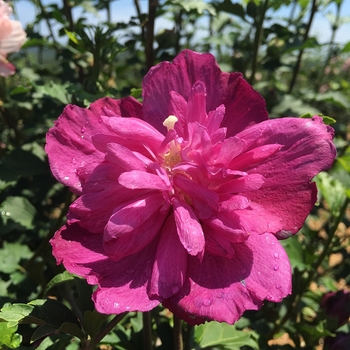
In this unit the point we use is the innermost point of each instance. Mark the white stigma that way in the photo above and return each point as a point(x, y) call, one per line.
point(170, 122)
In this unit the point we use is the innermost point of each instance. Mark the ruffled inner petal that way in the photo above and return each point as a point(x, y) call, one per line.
point(170, 263)
point(188, 227)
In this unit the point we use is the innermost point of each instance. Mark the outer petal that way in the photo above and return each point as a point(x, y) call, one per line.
point(15, 39)
point(122, 284)
point(6, 68)
point(69, 145)
point(244, 106)
point(222, 289)
point(287, 191)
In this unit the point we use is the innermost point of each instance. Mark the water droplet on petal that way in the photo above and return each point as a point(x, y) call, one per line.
point(66, 178)
point(115, 305)
point(244, 283)
point(278, 286)
point(276, 267)
point(74, 161)
point(276, 255)
point(207, 302)
point(100, 120)
point(83, 129)
point(244, 270)
point(175, 289)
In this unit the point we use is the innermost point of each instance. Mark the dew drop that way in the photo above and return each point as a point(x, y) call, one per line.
point(275, 267)
point(244, 283)
point(100, 120)
point(207, 302)
point(116, 305)
point(244, 270)
point(278, 286)
point(276, 255)
point(8, 213)
point(66, 178)
point(83, 129)
point(3, 212)
point(74, 161)
point(175, 289)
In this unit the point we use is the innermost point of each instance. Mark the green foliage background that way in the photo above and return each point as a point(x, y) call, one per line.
point(45, 307)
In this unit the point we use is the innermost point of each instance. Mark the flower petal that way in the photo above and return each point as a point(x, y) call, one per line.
point(137, 179)
point(69, 144)
point(307, 149)
point(170, 263)
point(244, 106)
point(122, 284)
point(222, 289)
point(188, 228)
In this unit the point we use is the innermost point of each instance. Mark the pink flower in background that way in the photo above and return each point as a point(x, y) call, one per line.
point(12, 37)
point(182, 199)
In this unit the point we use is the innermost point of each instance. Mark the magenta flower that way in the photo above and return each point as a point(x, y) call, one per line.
point(182, 200)
point(12, 37)
point(337, 308)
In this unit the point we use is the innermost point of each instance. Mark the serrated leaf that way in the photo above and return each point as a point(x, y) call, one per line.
point(56, 91)
point(18, 209)
point(20, 313)
point(58, 279)
point(222, 334)
point(9, 337)
point(332, 191)
point(55, 313)
point(11, 255)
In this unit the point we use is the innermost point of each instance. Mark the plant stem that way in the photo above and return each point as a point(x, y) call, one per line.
point(152, 9)
point(257, 40)
point(103, 332)
point(147, 331)
point(138, 11)
point(177, 331)
point(306, 34)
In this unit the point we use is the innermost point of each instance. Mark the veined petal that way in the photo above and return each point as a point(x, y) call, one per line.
point(129, 217)
point(137, 179)
point(196, 106)
point(170, 263)
point(122, 284)
point(188, 228)
point(123, 157)
point(135, 240)
point(222, 289)
point(69, 143)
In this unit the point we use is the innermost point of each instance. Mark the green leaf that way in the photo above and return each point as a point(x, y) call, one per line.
point(72, 36)
point(9, 337)
point(233, 8)
point(346, 48)
point(18, 209)
point(289, 105)
point(198, 5)
point(327, 120)
point(21, 163)
point(56, 91)
point(11, 255)
point(295, 252)
point(93, 322)
point(332, 191)
point(58, 279)
point(20, 313)
point(223, 335)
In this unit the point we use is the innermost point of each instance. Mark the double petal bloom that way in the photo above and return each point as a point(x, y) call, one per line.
point(12, 37)
point(182, 199)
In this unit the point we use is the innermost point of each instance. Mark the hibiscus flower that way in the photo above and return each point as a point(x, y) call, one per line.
point(182, 199)
point(12, 37)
